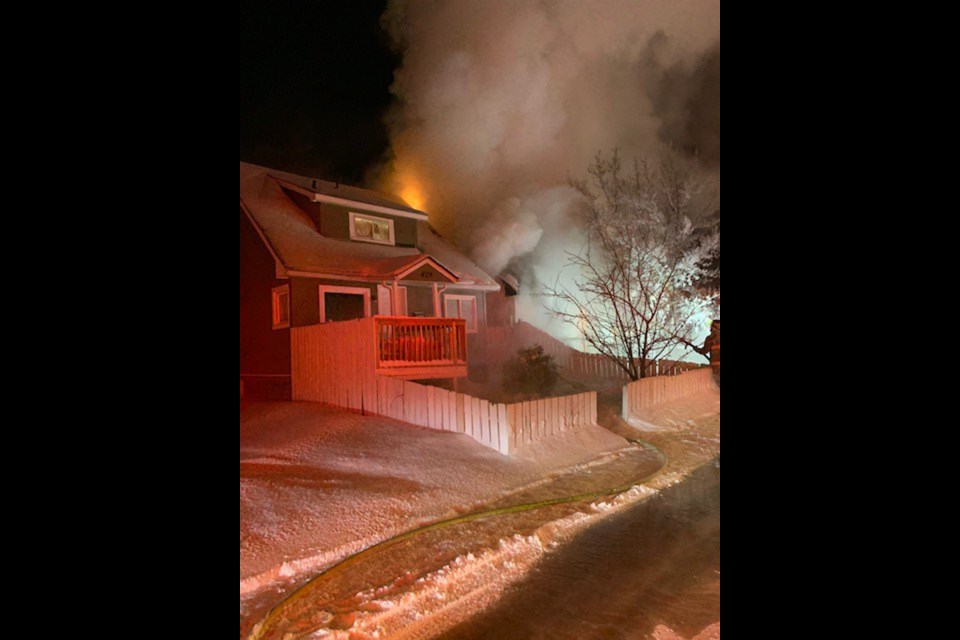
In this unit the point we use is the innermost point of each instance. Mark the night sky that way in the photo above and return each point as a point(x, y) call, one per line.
point(314, 87)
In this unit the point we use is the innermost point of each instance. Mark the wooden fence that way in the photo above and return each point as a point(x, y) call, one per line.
point(593, 364)
point(675, 368)
point(537, 420)
point(335, 363)
point(596, 365)
point(648, 392)
point(437, 408)
point(501, 344)
point(503, 427)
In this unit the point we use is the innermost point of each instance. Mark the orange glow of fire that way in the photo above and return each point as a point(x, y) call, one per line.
point(412, 194)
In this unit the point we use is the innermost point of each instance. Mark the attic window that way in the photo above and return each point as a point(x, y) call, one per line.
point(367, 228)
point(281, 307)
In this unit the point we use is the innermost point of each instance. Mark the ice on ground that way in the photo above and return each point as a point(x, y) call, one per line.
point(318, 483)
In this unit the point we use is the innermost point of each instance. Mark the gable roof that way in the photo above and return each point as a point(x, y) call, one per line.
point(428, 261)
point(293, 238)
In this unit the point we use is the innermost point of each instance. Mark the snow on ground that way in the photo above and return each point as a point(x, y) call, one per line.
point(472, 583)
point(318, 483)
point(447, 596)
point(687, 431)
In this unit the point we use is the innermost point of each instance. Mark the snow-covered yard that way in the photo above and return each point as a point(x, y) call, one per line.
point(318, 483)
point(438, 579)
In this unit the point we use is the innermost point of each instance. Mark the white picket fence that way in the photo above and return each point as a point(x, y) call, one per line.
point(335, 363)
point(648, 392)
point(503, 427)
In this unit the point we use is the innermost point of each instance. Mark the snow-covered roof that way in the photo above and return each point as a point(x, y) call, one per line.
point(296, 242)
point(338, 190)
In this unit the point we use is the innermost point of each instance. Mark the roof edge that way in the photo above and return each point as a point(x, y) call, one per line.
point(279, 265)
point(414, 214)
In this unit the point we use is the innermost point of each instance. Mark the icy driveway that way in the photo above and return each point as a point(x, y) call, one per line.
point(318, 483)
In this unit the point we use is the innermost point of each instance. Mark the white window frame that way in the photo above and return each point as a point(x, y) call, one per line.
point(275, 306)
point(459, 297)
point(358, 291)
point(353, 234)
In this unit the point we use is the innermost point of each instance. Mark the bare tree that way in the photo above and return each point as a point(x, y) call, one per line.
point(632, 293)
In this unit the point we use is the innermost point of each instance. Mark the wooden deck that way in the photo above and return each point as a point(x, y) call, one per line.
point(336, 353)
point(420, 348)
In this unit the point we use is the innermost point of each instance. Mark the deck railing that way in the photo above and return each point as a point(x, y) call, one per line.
point(414, 342)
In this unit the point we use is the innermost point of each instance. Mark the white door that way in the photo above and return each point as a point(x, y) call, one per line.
point(385, 298)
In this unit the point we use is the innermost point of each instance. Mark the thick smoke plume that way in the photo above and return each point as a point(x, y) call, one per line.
point(500, 102)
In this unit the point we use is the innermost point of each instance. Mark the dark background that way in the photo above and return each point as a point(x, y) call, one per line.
point(314, 87)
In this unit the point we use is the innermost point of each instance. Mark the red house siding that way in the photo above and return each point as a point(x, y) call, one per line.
point(264, 351)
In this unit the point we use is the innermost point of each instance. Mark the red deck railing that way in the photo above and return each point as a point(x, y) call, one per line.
point(413, 342)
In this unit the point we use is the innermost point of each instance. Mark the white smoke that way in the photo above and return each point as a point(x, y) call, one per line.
point(516, 227)
point(499, 103)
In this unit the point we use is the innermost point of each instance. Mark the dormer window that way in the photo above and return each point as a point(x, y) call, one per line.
point(367, 228)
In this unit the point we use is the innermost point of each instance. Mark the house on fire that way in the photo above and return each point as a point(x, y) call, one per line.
point(315, 252)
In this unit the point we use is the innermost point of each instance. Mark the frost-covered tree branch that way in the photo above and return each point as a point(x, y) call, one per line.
point(634, 294)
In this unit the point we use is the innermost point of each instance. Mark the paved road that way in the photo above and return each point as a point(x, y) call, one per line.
point(657, 563)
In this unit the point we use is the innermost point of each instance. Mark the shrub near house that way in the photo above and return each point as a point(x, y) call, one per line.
point(531, 373)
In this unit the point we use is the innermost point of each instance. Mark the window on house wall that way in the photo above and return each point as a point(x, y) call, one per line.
point(371, 229)
point(343, 303)
point(281, 307)
point(462, 307)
